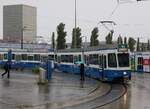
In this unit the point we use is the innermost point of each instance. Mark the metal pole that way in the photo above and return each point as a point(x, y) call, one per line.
point(83, 48)
point(75, 41)
point(22, 30)
point(22, 38)
point(85, 42)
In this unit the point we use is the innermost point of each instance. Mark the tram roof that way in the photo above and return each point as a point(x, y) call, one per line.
point(87, 49)
point(141, 53)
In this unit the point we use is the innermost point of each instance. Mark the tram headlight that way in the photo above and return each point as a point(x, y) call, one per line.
point(124, 73)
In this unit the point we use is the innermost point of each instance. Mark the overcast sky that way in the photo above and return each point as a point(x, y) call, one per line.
point(132, 19)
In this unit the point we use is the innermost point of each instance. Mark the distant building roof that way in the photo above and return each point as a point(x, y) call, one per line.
point(25, 46)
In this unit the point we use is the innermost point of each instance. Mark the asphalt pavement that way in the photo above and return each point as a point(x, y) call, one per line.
point(22, 90)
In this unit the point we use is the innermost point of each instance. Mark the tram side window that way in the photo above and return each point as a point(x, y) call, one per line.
point(94, 59)
point(102, 61)
point(70, 58)
point(37, 57)
point(43, 58)
point(24, 56)
point(123, 60)
point(17, 57)
point(55, 58)
point(58, 59)
point(67, 58)
point(1, 56)
point(63, 58)
point(5, 56)
point(13, 56)
point(77, 58)
point(112, 60)
point(30, 58)
point(140, 60)
point(85, 58)
point(51, 57)
point(90, 59)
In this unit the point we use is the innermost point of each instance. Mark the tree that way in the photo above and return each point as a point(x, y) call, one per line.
point(138, 45)
point(142, 47)
point(125, 40)
point(148, 45)
point(53, 40)
point(94, 35)
point(73, 44)
point(109, 37)
point(119, 40)
point(61, 34)
point(131, 44)
point(76, 38)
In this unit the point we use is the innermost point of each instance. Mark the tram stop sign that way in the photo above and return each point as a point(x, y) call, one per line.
point(122, 47)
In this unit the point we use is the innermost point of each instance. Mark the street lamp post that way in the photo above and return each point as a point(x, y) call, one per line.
point(75, 41)
point(22, 38)
point(83, 47)
point(22, 30)
point(84, 41)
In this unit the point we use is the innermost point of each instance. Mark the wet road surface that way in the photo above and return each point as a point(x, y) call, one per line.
point(137, 96)
point(21, 90)
point(66, 91)
point(117, 91)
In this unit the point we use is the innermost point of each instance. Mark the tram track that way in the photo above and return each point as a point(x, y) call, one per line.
point(101, 90)
point(117, 91)
point(100, 96)
point(113, 100)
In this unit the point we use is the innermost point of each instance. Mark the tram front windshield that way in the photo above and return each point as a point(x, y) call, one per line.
point(123, 59)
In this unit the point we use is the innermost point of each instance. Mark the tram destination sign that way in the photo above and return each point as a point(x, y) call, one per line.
point(122, 47)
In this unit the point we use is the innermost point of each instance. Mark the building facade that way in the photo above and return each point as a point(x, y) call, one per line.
point(19, 23)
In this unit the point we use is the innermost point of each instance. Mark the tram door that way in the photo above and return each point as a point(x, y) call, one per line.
point(140, 64)
point(146, 63)
point(102, 65)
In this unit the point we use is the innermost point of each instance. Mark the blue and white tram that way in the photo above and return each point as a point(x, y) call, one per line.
point(25, 59)
point(106, 65)
point(66, 61)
